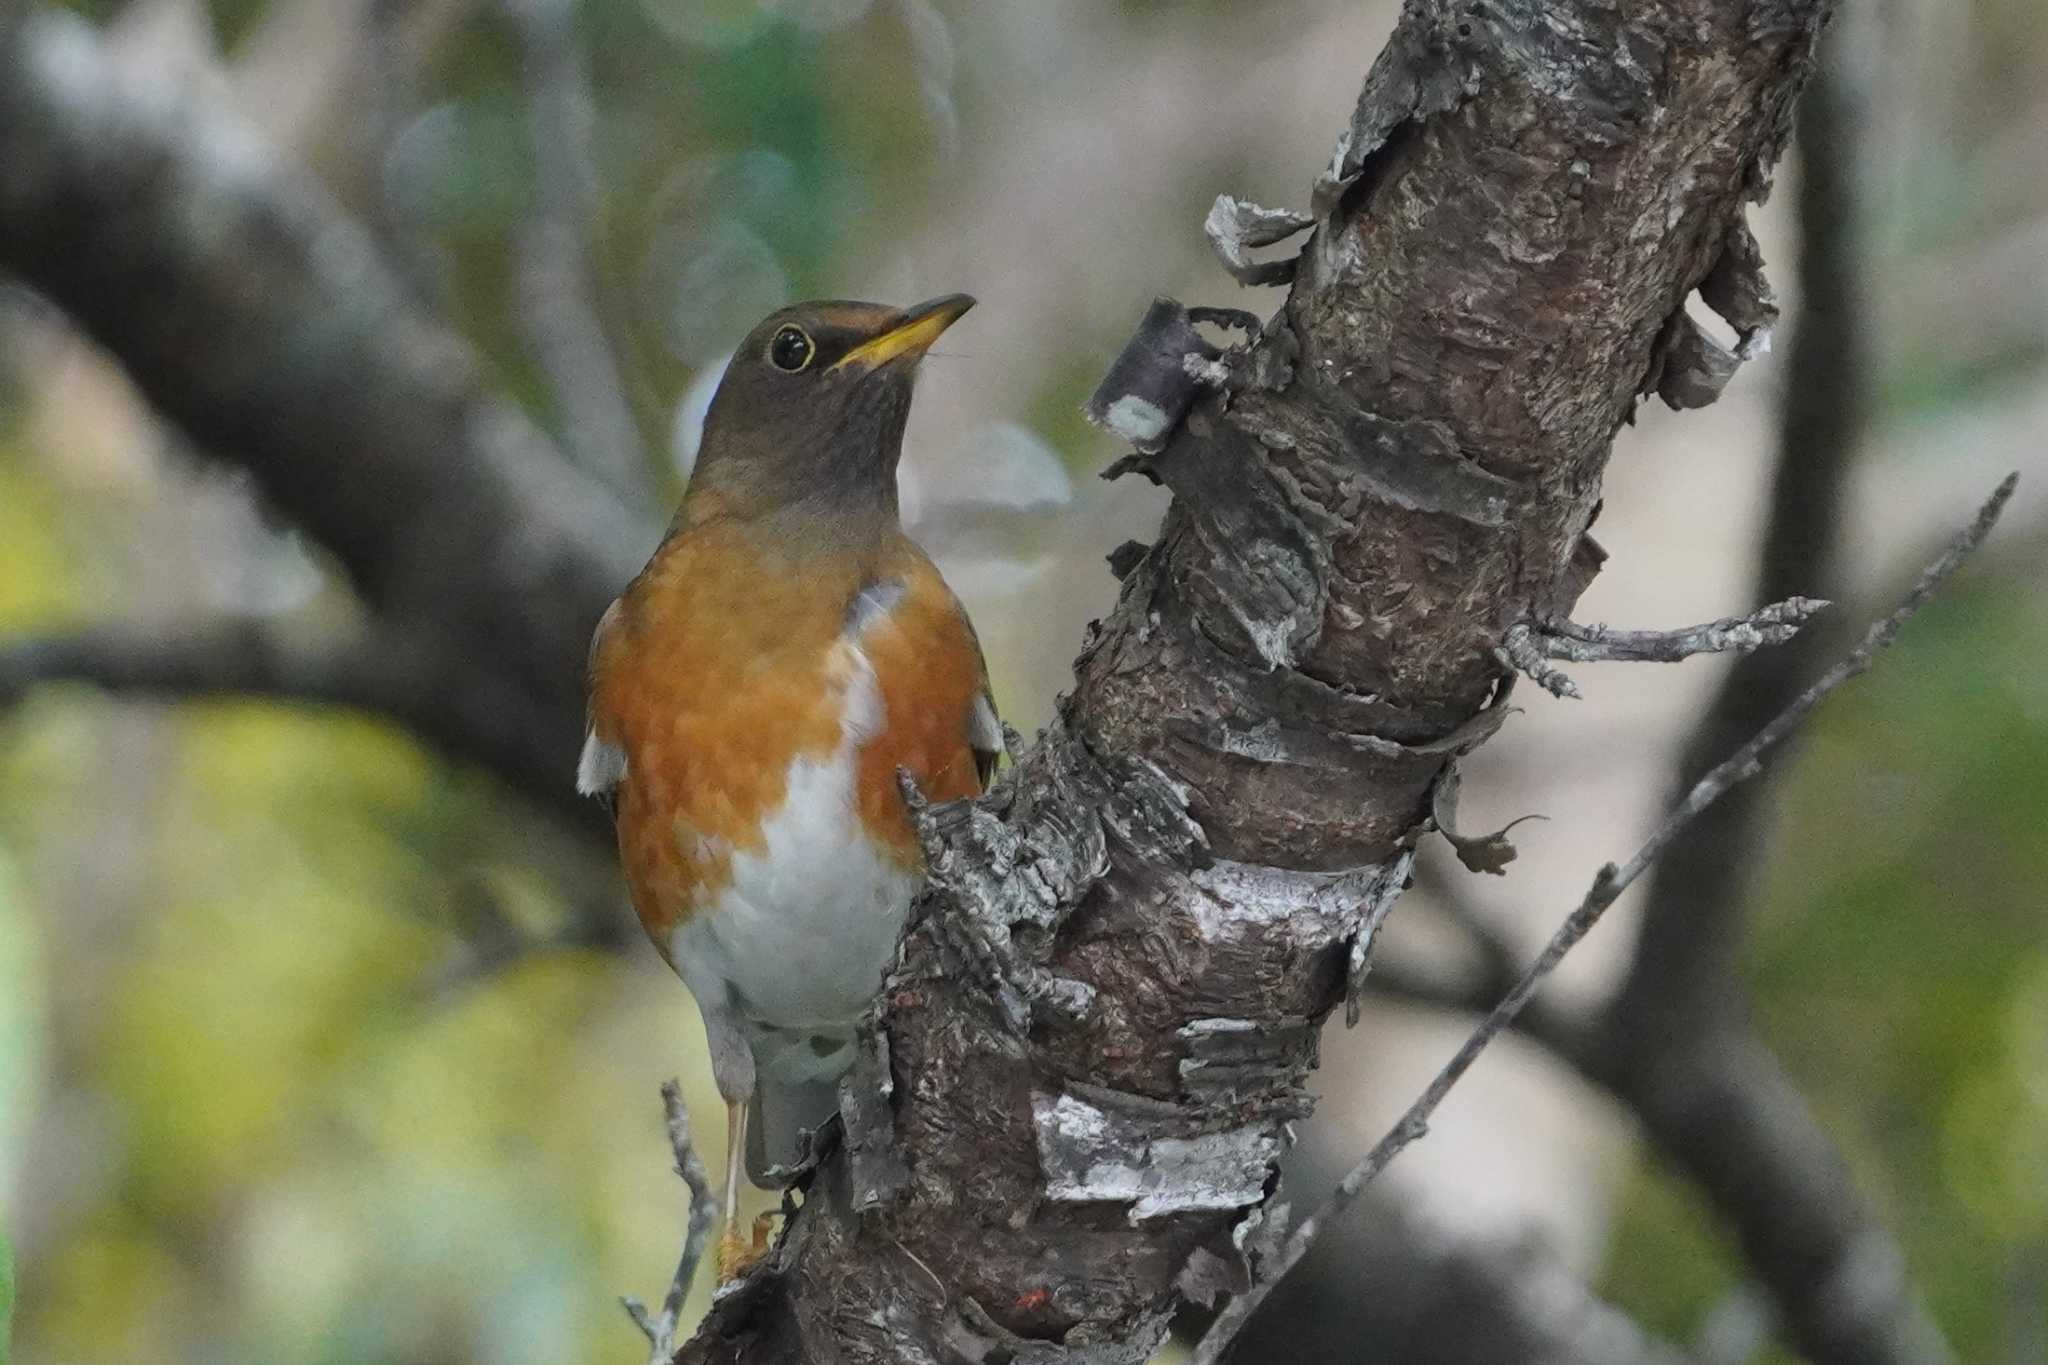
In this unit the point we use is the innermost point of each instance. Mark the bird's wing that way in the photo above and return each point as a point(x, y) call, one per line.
point(984, 726)
point(931, 660)
point(985, 733)
point(603, 763)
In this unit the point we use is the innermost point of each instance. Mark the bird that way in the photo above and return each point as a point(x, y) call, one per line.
point(754, 694)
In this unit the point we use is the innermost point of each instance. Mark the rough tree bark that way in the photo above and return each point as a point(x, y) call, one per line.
point(1675, 1044)
point(1085, 1062)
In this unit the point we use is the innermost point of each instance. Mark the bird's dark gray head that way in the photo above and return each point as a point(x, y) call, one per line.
point(812, 408)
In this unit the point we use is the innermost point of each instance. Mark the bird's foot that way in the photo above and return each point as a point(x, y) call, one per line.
point(738, 1254)
point(735, 1255)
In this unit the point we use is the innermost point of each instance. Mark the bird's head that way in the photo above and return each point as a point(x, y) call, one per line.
point(812, 406)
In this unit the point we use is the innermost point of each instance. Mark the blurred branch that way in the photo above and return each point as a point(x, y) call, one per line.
point(1550, 1312)
point(1404, 980)
point(493, 943)
point(254, 314)
point(393, 103)
point(1608, 884)
point(1409, 1291)
point(1498, 957)
point(251, 312)
point(557, 292)
point(465, 711)
point(183, 662)
point(1674, 1043)
point(663, 1332)
point(1694, 922)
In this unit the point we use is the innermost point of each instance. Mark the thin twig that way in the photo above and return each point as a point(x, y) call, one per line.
point(1774, 625)
point(1520, 653)
point(661, 1332)
point(1608, 884)
point(1529, 648)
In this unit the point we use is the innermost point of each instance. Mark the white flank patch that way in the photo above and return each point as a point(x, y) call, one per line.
point(602, 767)
point(800, 938)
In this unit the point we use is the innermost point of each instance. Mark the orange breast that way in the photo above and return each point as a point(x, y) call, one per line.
point(724, 664)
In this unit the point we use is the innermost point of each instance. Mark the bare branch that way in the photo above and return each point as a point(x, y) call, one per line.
point(1773, 625)
point(465, 711)
point(661, 1332)
point(1608, 884)
point(1529, 647)
point(493, 944)
point(243, 657)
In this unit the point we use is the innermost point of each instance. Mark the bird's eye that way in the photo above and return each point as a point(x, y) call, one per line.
point(791, 350)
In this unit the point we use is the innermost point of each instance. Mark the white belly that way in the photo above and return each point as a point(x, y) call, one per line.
point(799, 940)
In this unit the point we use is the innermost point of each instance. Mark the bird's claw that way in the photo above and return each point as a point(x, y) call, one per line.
point(735, 1256)
point(738, 1254)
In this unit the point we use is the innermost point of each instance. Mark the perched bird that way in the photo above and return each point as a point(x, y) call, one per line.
point(752, 696)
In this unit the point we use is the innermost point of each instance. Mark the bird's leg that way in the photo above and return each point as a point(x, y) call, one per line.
point(732, 1066)
point(735, 1255)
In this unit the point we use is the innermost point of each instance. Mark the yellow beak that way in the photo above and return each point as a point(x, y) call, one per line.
point(912, 335)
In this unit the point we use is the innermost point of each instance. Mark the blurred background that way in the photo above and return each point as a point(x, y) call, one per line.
point(306, 1054)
